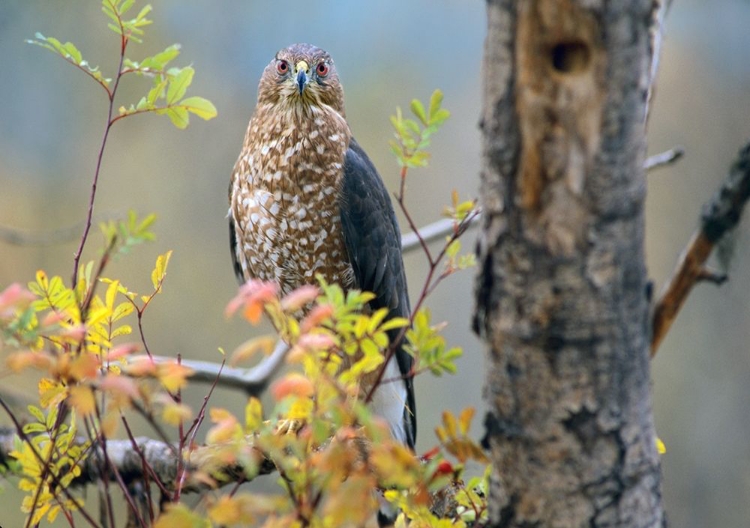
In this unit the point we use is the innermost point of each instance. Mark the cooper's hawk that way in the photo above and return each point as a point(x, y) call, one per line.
point(305, 199)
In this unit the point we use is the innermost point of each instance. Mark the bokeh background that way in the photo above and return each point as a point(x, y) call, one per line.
point(387, 52)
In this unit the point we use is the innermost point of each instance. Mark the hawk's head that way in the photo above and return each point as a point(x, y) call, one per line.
point(301, 75)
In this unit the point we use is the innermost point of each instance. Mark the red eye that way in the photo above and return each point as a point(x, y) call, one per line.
point(282, 67)
point(322, 69)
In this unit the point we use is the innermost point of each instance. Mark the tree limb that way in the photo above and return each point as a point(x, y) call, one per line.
point(720, 215)
point(252, 381)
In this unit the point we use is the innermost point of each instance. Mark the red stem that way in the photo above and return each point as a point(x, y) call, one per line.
point(92, 197)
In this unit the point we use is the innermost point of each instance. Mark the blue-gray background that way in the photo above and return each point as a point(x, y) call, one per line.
point(387, 52)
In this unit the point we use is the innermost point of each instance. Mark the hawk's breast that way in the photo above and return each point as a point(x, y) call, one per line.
point(285, 201)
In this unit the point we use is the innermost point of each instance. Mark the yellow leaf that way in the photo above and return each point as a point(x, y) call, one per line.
point(660, 447)
point(121, 331)
point(122, 310)
point(51, 392)
point(227, 427)
point(253, 415)
point(180, 516)
point(81, 398)
point(301, 409)
point(176, 413)
point(160, 270)
point(109, 298)
point(228, 511)
point(109, 424)
point(465, 419)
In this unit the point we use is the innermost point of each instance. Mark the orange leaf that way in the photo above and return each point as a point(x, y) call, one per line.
point(121, 351)
point(119, 387)
point(251, 293)
point(141, 367)
point(176, 413)
point(317, 341)
point(250, 347)
point(19, 361)
point(293, 383)
point(85, 366)
point(299, 298)
point(316, 316)
point(15, 295)
point(173, 376)
point(253, 312)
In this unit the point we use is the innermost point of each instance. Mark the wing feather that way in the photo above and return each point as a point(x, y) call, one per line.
point(373, 242)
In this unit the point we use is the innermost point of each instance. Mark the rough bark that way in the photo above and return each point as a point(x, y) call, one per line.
point(561, 293)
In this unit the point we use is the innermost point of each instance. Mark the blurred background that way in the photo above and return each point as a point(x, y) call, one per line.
point(387, 52)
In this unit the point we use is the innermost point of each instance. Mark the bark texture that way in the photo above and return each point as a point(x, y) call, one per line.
point(561, 295)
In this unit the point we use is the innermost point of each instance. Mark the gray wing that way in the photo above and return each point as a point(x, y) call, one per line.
point(373, 242)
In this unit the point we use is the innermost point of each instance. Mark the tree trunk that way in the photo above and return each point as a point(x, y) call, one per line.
point(562, 298)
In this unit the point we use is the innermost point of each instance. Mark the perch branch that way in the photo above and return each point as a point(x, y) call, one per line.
point(252, 381)
point(720, 215)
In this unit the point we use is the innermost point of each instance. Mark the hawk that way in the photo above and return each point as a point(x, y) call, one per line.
point(304, 199)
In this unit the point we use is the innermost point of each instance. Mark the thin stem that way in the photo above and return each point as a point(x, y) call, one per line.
point(147, 469)
point(92, 197)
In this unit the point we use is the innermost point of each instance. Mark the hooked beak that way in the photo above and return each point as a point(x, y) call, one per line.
point(302, 78)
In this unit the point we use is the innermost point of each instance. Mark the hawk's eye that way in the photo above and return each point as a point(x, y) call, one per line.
point(282, 67)
point(322, 69)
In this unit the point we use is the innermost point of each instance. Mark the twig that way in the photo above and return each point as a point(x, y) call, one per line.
point(89, 215)
point(665, 158)
point(720, 215)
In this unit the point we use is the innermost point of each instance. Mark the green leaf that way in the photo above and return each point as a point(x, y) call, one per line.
point(161, 59)
point(179, 116)
point(160, 84)
point(440, 116)
point(418, 108)
point(178, 85)
point(199, 106)
point(436, 100)
point(125, 6)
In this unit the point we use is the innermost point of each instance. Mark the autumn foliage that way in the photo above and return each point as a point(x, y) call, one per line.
point(85, 341)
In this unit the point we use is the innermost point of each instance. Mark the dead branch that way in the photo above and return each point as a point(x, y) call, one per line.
point(720, 215)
